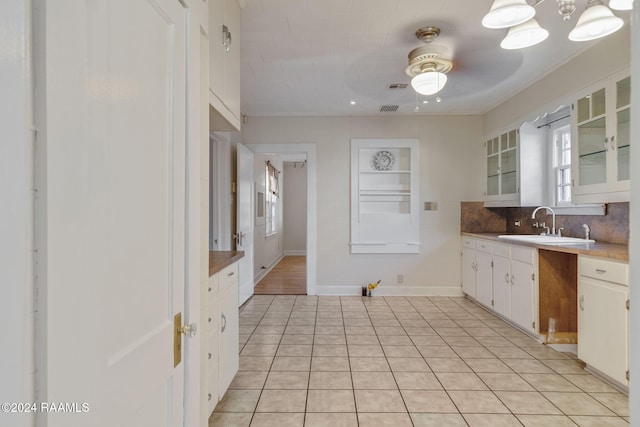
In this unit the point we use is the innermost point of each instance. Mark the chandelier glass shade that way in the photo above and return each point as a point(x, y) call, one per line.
point(621, 4)
point(429, 82)
point(507, 13)
point(596, 21)
point(524, 35)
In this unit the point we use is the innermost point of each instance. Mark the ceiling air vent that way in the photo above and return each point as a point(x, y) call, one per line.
point(387, 108)
point(398, 86)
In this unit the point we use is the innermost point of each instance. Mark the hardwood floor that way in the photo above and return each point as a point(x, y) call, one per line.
point(288, 277)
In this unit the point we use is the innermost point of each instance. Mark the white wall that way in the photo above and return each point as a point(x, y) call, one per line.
point(451, 162)
point(606, 57)
point(16, 214)
point(294, 209)
point(267, 250)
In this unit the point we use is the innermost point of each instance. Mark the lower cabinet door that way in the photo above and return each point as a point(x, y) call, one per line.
point(484, 273)
point(469, 272)
point(522, 294)
point(603, 327)
point(229, 338)
point(501, 286)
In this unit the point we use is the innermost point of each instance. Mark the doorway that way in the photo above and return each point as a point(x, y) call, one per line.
point(306, 152)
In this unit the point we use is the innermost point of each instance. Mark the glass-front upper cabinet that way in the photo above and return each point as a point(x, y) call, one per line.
point(502, 167)
point(600, 120)
point(515, 160)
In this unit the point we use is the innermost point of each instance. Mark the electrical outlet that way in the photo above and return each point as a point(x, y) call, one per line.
point(517, 223)
point(400, 278)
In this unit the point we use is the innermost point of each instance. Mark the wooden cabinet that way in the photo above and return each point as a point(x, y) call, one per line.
point(600, 128)
point(385, 178)
point(515, 168)
point(603, 316)
point(502, 278)
point(224, 65)
point(220, 346)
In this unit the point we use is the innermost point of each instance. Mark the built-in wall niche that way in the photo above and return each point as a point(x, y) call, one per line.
point(385, 178)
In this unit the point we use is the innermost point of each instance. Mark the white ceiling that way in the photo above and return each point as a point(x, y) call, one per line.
point(312, 57)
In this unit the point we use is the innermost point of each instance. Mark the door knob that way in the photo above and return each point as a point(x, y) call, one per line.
point(189, 330)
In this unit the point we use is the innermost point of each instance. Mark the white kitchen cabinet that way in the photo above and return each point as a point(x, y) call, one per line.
point(385, 207)
point(477, 270)
point(600, 128)
point(224, 65)
point(603, 316)
point(502, 277)
point(515, 168)
point(220, 354)
point(229, 328)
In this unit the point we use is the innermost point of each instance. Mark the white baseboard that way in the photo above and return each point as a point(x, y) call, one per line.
point(295, 252)
point(428, 291)
point(264, 272)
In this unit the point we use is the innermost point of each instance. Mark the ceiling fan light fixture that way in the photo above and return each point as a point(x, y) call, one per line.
point(508, 13)
point(621, 4)
point(429, 82)
point(596, 21)
point(524, 35)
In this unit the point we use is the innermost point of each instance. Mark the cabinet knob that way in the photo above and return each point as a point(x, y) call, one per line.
point(210, 355)
point(209, 396)
point(224, 323)
point(209, 288)
point(209, 319)
point(581, 302)
point(506, 277)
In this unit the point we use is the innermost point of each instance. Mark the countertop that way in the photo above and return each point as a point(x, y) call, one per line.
point(603, 250)
point(221, 259)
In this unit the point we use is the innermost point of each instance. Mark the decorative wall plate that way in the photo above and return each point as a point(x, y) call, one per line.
point(383, 160)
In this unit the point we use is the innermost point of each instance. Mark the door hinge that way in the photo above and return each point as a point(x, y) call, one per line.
point(533, 276)
point(492, 303)
point(572, 107)
point(491, 264)
point(533, 325)
point(627, 375)
point(627, 304)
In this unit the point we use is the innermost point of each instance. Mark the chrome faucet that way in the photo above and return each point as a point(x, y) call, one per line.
point(587, 231)
point(553, 219)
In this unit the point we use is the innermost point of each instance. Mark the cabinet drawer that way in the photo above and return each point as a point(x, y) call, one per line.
point(602, 269)
point(468, 242)
point(483, 245)
point(501, 250)
point(521, 253)
point(228, 276)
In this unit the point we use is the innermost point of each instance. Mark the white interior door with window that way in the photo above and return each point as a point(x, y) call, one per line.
point(245, 215)
point(111, 213)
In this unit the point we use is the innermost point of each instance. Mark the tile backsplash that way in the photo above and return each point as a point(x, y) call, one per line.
point(611, 228)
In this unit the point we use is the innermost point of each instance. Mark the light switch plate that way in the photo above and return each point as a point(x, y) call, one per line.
point(430, 206)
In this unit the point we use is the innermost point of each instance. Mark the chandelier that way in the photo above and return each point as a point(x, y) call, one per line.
point(596, 21)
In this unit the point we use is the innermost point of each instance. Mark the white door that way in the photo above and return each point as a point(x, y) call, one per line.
point(244, 231)
point(111, 243)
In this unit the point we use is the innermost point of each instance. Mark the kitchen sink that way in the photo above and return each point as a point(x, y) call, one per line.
point(544, 240)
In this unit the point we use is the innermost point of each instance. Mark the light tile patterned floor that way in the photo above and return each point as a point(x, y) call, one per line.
point(403, 361)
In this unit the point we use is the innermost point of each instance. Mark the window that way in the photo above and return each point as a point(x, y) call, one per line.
point(562, 164)
point(271, 199)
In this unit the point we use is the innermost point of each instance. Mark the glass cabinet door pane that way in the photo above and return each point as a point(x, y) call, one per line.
point(598, 104)
point(508, 170)
point(584, 112)
point(492, 176)
point(623, 92)
point(592, 164)
point(513, 139)
point(622, 131)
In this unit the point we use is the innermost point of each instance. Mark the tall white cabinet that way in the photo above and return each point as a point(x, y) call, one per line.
point(224, 66)
point(385, 179)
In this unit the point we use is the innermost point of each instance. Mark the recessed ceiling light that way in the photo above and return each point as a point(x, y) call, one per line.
point(425, 102)
point(438, 99)
point(352, 102)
